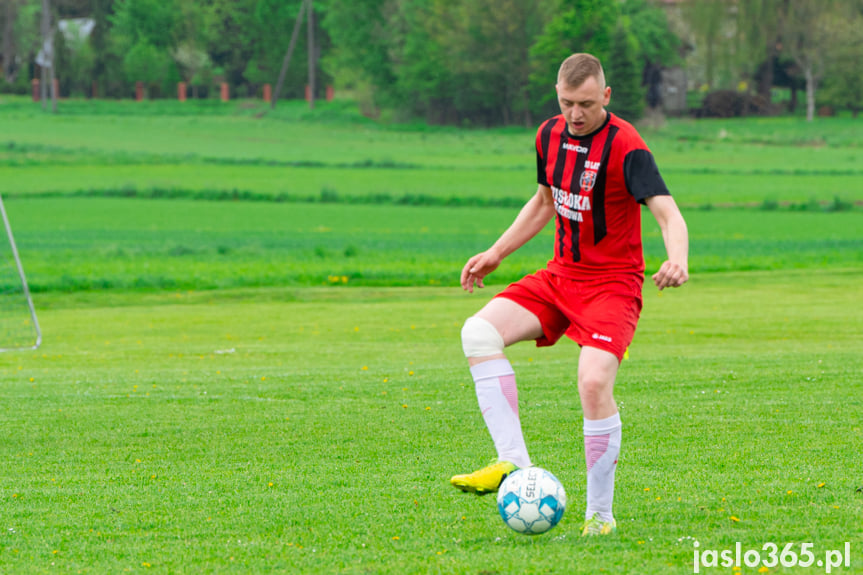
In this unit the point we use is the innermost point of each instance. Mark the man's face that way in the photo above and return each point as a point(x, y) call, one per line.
point(583, 106)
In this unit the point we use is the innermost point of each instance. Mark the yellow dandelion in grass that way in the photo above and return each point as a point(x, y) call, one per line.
point(344, 279)
point(790, 492)
point(386, 379)
point(270, 484)
point(396, 538)
point(646, 489)
point(365, 368)
point(405, 405)
point(428, 408)
point(145, 564)
point(735, 519)
point(822, 484)
point(763, 569)
point(410, 373)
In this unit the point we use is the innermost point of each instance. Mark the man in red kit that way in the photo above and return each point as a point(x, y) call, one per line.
point(594, 172)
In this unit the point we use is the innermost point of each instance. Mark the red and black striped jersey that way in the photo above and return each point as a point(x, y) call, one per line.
point(598, 182)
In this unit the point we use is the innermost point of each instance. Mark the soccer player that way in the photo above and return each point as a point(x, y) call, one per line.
point(594, 172)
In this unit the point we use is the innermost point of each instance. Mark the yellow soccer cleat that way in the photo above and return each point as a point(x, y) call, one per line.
point(485, 480)
point(596, 526)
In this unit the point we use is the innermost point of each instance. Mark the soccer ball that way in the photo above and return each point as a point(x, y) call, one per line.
point(531, 500)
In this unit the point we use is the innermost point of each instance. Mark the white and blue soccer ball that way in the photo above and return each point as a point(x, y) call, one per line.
point(531, 500)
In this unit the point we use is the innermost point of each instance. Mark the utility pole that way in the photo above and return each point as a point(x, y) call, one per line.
point(287, 61)
point(311, 25)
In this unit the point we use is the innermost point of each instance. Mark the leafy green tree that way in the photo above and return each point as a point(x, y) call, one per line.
point(231, 37)
point(579, 26)
point(107, 64)
point(26, 28)
point(843, 78)
point(658, 46)
point(482, 47)
point(154, 22)
point(707, 20)
point(623, 74)
point(759, 26)
point(424, 75)
point(273, 20)
point(362, 56)
point(146, 63)
point(74, 58)
point(190, 53)
point(807, 35)
point(7, 25)
point(143, 34)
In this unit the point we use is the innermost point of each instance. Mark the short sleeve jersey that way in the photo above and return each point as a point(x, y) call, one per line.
point(599, 182)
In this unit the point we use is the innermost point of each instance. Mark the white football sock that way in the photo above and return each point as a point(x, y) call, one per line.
point(601, 450)
point(498, 401)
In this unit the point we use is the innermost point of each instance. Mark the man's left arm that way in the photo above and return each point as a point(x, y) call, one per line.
point(675, 270)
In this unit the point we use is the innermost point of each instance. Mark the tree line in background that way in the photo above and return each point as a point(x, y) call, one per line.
point(466, 62)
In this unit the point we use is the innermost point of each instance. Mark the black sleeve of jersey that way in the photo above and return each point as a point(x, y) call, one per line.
point(642, 176)
point(541, 177)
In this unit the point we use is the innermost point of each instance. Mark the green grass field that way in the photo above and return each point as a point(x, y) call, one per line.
point(234, 384)
point(93, 243)
point(323, 442)
point(722, 162)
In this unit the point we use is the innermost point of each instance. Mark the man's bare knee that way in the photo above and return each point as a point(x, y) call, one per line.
point(595, 392)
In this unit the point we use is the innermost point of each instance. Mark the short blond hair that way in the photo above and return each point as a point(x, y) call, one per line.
point(578, 68)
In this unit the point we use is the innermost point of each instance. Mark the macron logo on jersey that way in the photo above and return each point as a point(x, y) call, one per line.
point(575, 148)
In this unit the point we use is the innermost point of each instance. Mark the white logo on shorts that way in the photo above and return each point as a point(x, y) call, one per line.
point(602, 337)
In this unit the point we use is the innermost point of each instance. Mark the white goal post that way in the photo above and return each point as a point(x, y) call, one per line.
point(13, 294)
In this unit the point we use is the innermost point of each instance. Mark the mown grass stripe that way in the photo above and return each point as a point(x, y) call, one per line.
point(331, 196)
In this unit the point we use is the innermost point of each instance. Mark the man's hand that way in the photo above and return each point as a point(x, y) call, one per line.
point(675, 270)
point(670, 274)
point(477, 268)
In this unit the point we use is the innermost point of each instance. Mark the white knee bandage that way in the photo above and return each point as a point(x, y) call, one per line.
point(479, 338)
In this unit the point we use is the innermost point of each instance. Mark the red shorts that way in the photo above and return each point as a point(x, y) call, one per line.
point(599, 313)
